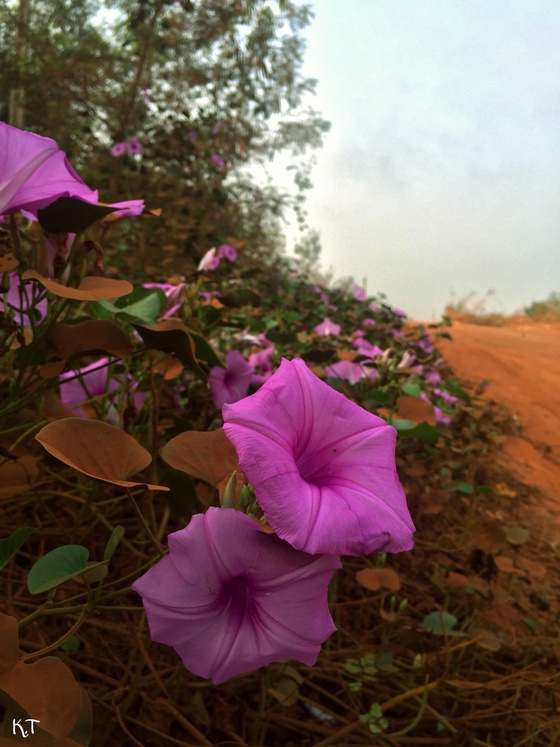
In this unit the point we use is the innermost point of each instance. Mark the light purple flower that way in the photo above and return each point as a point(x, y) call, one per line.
point(91, 382)
point(219, 162)
point(230, 598)
point(407, 360)
point(351, 372)
point(34, 172)
point(175, 295)
point(439, 415)
point(327, 327)
point(446, 397)
point(21, 299)
point(210, 260)
point(118, 149)
point(227, 251)
point(323, 469)
point(365, 348)
point(133, 146)
point(369, 323)
point(359, 293)
point(399, 312)
point(431, 376)
point(231, 383)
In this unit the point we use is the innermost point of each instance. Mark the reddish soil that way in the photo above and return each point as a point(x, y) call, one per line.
point(522, 366)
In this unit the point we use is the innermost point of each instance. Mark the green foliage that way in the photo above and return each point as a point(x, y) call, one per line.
point(549, 309)
point(56, 567)
point(10, 545)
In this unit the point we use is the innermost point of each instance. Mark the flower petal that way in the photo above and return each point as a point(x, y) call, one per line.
point(323, 469)
point(229, 598)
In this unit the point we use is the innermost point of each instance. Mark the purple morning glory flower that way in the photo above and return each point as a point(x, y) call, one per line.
point(90, 383)
point(350, 372)
point(219, 162)
point(227, 251)
point(133, 146)
point(175, 295)
point(230, 598)
point(231, 383)
point(34, 172)
point(323, 469)
point(327, 327)
point(359, 293)
point(118, 149)
point(20, 299)
point(210, 261)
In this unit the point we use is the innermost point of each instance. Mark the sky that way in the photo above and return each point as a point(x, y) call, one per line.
point(440, 176)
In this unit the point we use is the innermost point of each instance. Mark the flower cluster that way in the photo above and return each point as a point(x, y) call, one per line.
point(230, 598)
point(211, 260)
point(132, 146)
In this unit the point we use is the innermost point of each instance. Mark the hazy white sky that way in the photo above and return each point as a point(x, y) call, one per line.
point(441, 172)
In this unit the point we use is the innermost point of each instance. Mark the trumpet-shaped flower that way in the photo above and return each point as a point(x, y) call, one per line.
point(230, 598)
point(34, 172)
point(231, 383)
point(323, 469)
point(327, 327)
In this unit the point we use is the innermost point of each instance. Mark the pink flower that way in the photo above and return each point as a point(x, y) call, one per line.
point(20, 298)
point(359, 293)
point(175, 295)
point(230, 599)
point(327, 328)
point(351, 372)
point(227, 251)
point(323, 469)
point(231, 383)
point(34, 172)
point(90, 383)
point(219, 162)
point(118, 149)
point(133, 146)
point(210, 261)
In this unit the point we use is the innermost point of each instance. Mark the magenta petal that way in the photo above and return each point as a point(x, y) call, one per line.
point(323, 469)
point(230, 384)
point(34, 172)
point(229, 598)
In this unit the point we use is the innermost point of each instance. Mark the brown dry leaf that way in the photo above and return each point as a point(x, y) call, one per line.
point(46, 690)
point(487, 640)
point(169, 367)
point(534, 569)
point(17, 476)
point(8, 263)
point(505, 565)
point(98, 450)
point(90, 288)
point(90, 336)
point(52, 370)
point(454, 580)
point(207, 455)
point(378, 578)
point(347, 355)
point(415, 409)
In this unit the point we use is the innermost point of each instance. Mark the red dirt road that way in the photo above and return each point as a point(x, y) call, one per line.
point(522, 365)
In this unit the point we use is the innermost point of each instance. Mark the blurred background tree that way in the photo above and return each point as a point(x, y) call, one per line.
point(212, 90)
